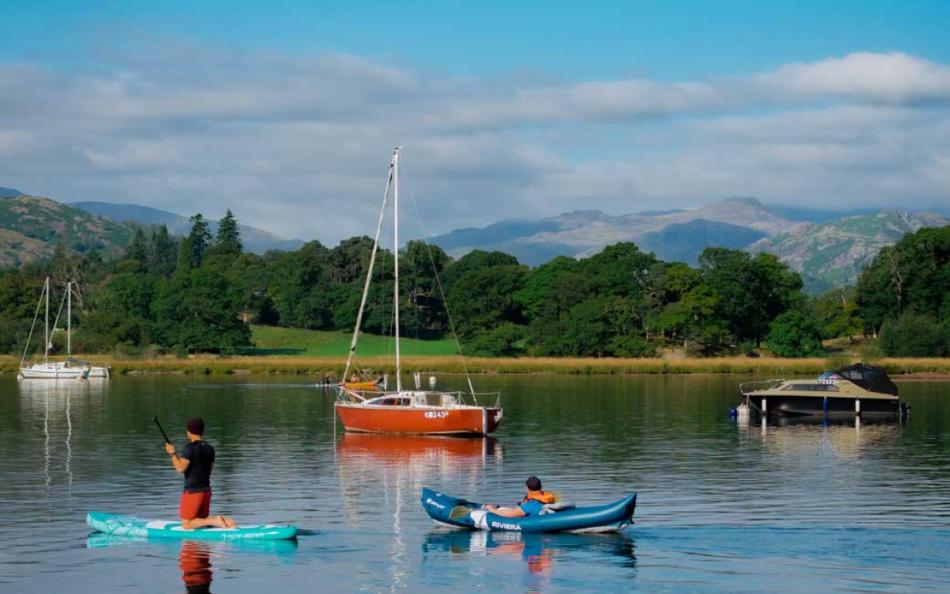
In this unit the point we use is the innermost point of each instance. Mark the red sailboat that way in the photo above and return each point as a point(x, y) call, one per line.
point(425, 412)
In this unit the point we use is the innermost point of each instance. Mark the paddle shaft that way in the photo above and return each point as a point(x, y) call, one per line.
point(165, 435)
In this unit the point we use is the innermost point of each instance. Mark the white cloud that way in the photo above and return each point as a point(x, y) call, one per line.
point(299, 144)
point(890, 78)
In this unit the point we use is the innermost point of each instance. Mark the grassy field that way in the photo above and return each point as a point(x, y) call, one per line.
point(271, 340)
point(310, 352)
point(318, 366)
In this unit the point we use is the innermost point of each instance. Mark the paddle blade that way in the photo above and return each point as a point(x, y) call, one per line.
point(458, 512)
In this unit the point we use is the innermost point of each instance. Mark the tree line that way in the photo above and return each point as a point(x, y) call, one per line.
point(200, 293)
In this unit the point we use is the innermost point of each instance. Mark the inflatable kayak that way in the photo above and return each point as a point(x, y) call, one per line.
point(131, 526)
point(459, 513)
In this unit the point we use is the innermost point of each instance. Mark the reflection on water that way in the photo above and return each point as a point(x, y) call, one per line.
point(721, 507)
point(194, 559)
point(844, 440)
point(194, 556)
point(55, 398)
point(395, 468)
point(392, 470)
point(538, 552)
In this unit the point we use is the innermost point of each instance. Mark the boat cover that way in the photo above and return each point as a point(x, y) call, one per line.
point(869, 377)
point(460, 513)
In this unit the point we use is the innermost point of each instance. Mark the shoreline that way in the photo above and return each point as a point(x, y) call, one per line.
point(921, 369)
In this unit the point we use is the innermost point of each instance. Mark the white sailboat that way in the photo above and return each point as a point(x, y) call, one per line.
point(47, 369)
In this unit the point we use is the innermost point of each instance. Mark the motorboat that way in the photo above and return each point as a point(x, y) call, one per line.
point(858, 390)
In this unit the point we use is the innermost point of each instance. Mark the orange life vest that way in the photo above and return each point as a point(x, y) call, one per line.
point(542, 496)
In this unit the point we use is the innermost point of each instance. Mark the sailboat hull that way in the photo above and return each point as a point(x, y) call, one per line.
point(53, 371)
point(467, 420)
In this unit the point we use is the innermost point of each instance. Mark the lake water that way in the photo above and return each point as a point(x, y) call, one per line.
point(720, 507)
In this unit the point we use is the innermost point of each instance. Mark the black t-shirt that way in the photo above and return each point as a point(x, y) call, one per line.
point(200, 456)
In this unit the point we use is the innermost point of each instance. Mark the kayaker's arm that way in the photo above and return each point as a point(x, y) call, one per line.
point(178, 462)
point(506, 512)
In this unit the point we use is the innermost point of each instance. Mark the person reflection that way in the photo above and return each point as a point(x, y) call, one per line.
point(194, 559)
point(531, 549)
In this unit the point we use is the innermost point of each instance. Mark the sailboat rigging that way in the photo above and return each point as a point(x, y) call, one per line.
point(406, 411)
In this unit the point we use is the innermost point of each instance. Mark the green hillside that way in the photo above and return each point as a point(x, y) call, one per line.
point(832, 253)
point(31, 227)
point(271, 340)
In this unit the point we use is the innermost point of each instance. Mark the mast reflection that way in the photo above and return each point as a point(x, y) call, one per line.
point(391, 470)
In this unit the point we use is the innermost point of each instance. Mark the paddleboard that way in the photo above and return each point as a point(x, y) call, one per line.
point(131, 526)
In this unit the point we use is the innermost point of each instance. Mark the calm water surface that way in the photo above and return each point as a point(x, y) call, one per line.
point(720, 507)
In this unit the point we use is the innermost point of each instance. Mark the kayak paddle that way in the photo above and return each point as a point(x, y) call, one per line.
point(165, 435)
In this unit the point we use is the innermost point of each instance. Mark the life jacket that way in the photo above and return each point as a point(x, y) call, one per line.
point(542, 496)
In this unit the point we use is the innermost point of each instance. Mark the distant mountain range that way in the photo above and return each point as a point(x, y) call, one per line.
point(32, 226)
point(585, 232)
point(828, 248)
point(255, 240)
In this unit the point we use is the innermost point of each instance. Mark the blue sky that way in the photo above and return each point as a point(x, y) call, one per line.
point(577, 40)
point(514, 109)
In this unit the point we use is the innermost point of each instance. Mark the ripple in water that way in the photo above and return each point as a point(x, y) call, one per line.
point(720, 507)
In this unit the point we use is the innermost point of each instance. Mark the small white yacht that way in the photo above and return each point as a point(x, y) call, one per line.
point(70, 368)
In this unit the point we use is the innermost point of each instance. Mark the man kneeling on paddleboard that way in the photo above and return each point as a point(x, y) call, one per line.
point(195, 462)
point(534, 501)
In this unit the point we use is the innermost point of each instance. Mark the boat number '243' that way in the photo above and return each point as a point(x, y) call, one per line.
point(436, 414)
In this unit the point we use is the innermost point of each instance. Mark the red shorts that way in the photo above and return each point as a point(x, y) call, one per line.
point(194, 505)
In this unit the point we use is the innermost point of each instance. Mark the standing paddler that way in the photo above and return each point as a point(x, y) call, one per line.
point(196, 461)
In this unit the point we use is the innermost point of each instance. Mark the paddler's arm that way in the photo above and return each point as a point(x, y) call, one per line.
point(506, 512)
point(178, 462)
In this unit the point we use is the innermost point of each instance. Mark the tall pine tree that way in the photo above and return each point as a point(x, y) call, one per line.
point(192, 251)
point(138, 248)
point(228, 240)
point(163, 252)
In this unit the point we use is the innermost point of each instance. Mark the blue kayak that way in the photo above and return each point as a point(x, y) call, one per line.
point(131, 526)
point(459, 513)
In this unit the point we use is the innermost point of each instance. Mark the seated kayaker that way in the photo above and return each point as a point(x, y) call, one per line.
point(196, 462)
point(534, 501)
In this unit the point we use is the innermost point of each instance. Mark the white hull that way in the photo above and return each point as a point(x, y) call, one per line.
point(53, 371)
point(98, 372)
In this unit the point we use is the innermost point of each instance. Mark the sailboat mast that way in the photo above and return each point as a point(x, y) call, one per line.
point(396, 256)
point(69, 319)
point(46, 327)
point(369, 276)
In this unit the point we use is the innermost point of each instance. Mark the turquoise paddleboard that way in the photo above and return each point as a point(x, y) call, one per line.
point(131, 526)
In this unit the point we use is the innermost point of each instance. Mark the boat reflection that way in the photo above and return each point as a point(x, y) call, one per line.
point(399, 466)
point(390, 471)
point(59, 391)
point(849, 439)
point(414, 449)
point(55, 399)
point(539, 552)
